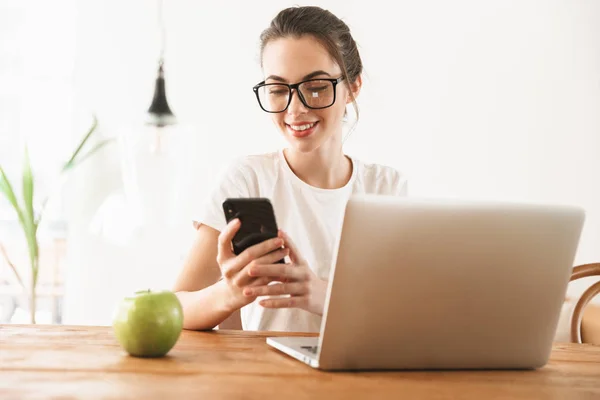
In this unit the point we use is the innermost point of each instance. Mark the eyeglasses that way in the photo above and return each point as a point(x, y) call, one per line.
point(313, 93)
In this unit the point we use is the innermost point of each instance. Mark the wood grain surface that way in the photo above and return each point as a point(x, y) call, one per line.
point(87, 362)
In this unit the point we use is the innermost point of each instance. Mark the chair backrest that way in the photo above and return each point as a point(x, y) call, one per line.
point(583, 271)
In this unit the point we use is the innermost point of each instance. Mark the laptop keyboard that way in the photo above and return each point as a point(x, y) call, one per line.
point(311, 349)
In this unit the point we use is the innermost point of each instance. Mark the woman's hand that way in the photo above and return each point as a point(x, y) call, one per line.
point(234, 269)
point(305, 289)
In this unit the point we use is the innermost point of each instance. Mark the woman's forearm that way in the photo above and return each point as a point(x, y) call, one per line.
point(206, 308)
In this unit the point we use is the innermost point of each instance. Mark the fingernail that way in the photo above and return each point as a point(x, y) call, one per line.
point(279, 242)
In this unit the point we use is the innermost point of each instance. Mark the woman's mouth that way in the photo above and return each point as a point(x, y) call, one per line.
point(301, 130)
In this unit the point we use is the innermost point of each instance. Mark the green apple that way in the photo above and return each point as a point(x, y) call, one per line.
point(148, 324)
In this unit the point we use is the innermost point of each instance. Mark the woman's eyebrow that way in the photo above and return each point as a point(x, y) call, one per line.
point(315, 74)
point(309, 76)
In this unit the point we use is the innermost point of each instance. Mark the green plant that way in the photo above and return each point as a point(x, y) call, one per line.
point(29, 220)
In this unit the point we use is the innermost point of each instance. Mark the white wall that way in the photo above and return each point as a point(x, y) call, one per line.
point(471, 99)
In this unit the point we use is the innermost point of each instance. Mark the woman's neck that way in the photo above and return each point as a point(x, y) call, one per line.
point(325, 168)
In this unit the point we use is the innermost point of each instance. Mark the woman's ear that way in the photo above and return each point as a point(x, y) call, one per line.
point(355, 89)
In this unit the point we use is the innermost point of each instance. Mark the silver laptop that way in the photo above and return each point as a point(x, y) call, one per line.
point(443, 284)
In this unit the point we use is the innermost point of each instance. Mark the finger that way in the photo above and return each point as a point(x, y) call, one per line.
point(286, 302)
point(242, 280)
point(244, 276)
point(272, 257)
point(224, 242)
point(237, 264)
point(258, 250)
point(294, 289)
point(295, 255)
point(265, 280)
point(288, 271)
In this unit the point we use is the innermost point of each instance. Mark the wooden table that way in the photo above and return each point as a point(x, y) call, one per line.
point(86, 362)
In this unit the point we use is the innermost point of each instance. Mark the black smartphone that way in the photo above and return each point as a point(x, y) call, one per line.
point(257, 219)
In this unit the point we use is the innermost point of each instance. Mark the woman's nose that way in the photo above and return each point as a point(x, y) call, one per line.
point(296, 106)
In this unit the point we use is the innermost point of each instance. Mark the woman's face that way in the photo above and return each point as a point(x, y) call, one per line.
point(293, 60)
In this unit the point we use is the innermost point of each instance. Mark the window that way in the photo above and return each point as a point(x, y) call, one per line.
point(37, 58)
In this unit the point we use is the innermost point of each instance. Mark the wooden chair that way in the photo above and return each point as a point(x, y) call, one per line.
point(583, 271)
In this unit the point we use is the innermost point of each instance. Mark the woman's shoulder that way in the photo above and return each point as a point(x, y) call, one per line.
point(380, 178)
point(244, 176)
point(251, 171)
point(253, 163)
point(375, 171)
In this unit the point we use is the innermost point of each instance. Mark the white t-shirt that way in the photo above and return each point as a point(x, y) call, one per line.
point(311, 216)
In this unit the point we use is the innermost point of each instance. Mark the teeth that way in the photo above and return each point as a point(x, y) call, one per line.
point(302, 127)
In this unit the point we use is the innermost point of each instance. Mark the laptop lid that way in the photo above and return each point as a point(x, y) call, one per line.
point(422, 283)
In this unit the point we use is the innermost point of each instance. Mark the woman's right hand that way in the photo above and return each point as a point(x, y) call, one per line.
point(234, 269)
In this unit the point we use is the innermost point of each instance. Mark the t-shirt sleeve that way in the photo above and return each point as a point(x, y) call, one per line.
point(232, 183)
point(391, 182)
point(399, 184)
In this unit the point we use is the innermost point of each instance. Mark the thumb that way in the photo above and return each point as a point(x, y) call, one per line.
point(224, 249)
point(295, 255)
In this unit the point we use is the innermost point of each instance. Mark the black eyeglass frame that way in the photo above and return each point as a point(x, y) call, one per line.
point(295, 86)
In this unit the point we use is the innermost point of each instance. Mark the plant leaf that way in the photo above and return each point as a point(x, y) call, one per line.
point(71, 161)
point(90, 153)
point(11, 265)
point(30, 234)
point(28, 188)
point(41, 212)
point(29, 225)
point(76, 160)
point(7, 190)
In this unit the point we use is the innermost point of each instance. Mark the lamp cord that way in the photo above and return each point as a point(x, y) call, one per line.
point(161, 24)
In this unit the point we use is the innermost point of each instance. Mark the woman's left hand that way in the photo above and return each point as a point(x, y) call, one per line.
point(305, 289)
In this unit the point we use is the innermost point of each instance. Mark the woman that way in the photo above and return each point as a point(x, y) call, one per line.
point(312, 71)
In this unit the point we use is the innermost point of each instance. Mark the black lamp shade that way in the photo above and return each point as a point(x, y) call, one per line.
point(159, 113)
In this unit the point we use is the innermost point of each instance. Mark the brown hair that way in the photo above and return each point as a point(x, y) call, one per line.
point(329, 30)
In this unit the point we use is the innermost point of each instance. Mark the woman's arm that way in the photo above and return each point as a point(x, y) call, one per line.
point(207, 299)
point(203, 297)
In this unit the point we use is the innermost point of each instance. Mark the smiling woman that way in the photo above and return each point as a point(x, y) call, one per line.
point(312, 71)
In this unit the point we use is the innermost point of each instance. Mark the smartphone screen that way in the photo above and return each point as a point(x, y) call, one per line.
point(257, 221)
